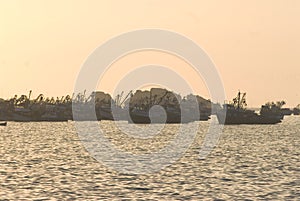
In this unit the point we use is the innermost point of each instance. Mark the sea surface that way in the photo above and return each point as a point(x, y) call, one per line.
point(47, 161)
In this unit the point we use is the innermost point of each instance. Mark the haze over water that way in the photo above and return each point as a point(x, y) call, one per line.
point(47, 161)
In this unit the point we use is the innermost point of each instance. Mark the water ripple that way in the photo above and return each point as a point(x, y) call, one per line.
point(46, 161)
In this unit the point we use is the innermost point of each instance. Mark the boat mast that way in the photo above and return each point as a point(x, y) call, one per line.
point(238, 99)
point(126, 97)
point(29, 94)
point(243, 100)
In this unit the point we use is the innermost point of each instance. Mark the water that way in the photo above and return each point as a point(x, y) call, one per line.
point(45, 161)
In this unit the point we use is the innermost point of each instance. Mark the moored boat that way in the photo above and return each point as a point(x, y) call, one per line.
point(236, 113)
point(161, 106)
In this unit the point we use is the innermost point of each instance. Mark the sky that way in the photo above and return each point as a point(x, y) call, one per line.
point(254, 44)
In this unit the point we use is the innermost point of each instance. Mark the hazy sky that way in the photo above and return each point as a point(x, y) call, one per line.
point(254, 44)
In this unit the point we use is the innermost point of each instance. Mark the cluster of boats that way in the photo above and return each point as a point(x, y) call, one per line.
point(25, 109)
point(134, 107)
point(154, 106)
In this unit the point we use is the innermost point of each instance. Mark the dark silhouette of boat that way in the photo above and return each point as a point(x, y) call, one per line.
point(236, 113)
point(24, 109)
point(170, 108)
point(296, 110)
point(3, 123)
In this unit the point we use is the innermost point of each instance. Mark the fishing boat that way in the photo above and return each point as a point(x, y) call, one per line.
point(25, 109)
point(172, 116)
point(236, 113)
point(160, 106)
point(3, 123)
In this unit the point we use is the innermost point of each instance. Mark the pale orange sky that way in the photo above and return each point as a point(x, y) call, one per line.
point(254, 44)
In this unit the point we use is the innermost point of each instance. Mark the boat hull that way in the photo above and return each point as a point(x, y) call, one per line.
point(240, 119)
point(172, 118)
point(22, 118)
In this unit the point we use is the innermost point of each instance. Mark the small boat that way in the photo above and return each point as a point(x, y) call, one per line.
point(3, 123)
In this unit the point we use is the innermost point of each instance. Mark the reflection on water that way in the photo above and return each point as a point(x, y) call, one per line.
point(47, 161)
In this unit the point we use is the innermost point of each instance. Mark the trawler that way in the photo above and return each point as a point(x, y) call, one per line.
point(236, 113)
point(142, 109)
